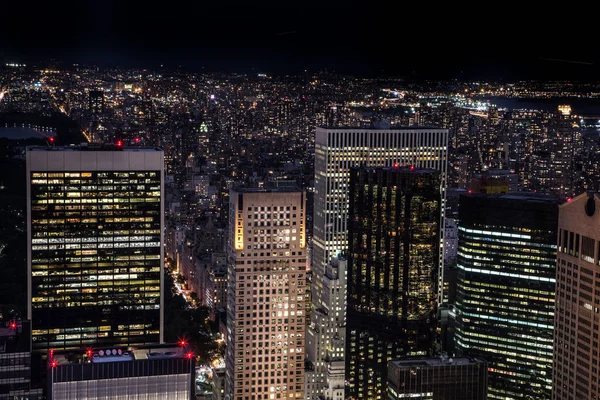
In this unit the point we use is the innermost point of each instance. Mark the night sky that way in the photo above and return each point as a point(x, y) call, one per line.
point(421, 40)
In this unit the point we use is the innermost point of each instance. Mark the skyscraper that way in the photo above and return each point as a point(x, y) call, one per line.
point(16, 372)
point(460, 378)
point(576, 335)
point(336, 151)
point(554, 158)
point(505, 290)
point(394, 237)
point(266, 288)
point(94, 250)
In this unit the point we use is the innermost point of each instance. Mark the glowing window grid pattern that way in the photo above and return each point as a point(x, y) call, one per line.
point(336, 151)
point(392, 276)
point(505, 302)
point(95, 258)
point(266, 288)
point(172, 387)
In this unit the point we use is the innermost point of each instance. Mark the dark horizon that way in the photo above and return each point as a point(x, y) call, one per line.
point(459, 42)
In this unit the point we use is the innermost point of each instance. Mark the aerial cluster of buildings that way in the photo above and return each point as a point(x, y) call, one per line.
point(353, 239)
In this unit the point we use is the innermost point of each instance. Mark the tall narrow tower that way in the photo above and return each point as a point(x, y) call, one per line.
point(394, 236)
point(266, 287)
point(576, 323)
point(94, 249)
point(336, 151)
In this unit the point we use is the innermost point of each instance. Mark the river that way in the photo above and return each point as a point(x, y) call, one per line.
point(579, 106)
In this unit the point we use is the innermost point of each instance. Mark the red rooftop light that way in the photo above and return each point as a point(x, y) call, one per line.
point(13, 325)
point(182, 343)
point(189, 355)
point(53, 364)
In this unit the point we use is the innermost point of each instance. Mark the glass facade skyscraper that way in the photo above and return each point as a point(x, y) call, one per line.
point(505, 290)
point(394, 235)
point(95, 253)
point(336, 151)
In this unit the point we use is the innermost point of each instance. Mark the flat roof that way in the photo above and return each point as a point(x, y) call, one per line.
point(435, 362)
point(408, 169)
point(531, 196)
point(93, 148)
point(121, 354)
point(282, 189)
point(402, 128)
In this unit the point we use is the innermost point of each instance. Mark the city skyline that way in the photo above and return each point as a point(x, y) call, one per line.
point(320, 279)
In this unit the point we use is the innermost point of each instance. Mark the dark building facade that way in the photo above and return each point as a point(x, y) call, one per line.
point(506, 285)
point(15, 362)
point(96, 102)
point(441, 378)
point(394, 233)
point(577, 331)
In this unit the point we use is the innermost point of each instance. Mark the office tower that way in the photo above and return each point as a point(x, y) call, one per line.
point(505, 290)
point(394, 237)
point(336, 151)
point(443, 378)
point(265, 306)
point(334, 296)
point(16, 363)
point(451, 243)
point(553, 162)
point(140, 373)
point(96, 102)
point(94, 250)
point(494, 181)
point(576, 359)
point(218, 383)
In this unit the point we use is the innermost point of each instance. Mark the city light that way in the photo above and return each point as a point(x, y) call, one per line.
point(294, 270)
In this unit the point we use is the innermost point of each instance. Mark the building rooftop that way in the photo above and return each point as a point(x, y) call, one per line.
point(401, 168)
point(283, 189)
point(435, 362)
point(382, 128)
point(87, 147)
point(529, 196)
point(122, 354)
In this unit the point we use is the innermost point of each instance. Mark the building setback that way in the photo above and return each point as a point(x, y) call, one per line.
point(394, 237)
point(94, 250)
point(120, 373)
point(17, 377)
point(441, 378)
point(266, 288)
point(577, 315)
point(336, 151)
point(505, 290)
